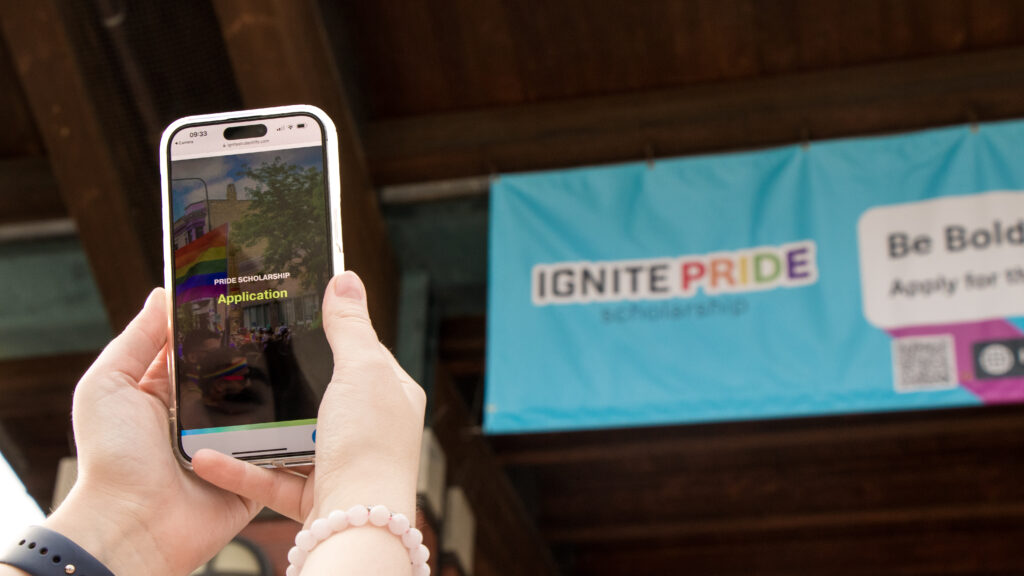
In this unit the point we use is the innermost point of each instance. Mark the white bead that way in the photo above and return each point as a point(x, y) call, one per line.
point(379, 515)
point(398, 524)
point(420, 555)
point(297, 556)
point(305, 540)
point(338, 520)
point(320, 529)
point(358, 515)
point(412, 538)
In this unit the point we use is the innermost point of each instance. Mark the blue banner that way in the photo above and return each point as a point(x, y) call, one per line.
point(848, 276)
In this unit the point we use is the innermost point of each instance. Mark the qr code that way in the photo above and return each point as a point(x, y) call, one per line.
point(922, 363)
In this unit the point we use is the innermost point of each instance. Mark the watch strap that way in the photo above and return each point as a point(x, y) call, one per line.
point(43, 552)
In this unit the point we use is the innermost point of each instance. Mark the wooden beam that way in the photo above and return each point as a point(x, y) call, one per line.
point(281, 55)
point(35, 416)
point(81, 154)
point(42, 385)
point(42, 444)
point(28, 191)
point(507, 543)
point(19, 136)
point(560, 448)
point(611, 533)
point(961, 548)
point(743, 114)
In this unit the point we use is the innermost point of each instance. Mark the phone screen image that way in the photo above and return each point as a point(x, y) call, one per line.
point(250, 239)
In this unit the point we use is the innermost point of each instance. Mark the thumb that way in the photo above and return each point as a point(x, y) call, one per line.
point(347, 324)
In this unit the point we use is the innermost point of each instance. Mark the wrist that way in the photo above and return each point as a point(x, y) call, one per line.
point(107, 531)
point(366, 484)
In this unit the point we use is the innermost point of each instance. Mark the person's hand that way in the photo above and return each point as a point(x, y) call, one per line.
point(368, 430)
point(134, 507)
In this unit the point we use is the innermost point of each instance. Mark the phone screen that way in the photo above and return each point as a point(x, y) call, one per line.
point(251, 259)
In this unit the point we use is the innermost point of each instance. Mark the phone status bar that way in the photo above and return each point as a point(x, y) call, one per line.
point(200, 141)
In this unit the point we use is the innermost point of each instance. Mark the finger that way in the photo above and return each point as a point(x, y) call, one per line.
point(132, 352)
point(276, 489)
point(349, 331)
point(156, 381)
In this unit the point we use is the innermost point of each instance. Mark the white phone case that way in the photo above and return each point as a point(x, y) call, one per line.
point(333, 167)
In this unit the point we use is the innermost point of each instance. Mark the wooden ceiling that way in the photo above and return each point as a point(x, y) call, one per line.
point(426, 90)
point(423, 57)
point(450, 89)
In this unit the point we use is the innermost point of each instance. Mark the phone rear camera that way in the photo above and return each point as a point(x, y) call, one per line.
point(243, 132)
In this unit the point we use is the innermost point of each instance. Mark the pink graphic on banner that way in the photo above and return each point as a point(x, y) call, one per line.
point(989, 391)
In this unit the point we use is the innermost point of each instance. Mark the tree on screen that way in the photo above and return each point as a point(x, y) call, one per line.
point(287, 211)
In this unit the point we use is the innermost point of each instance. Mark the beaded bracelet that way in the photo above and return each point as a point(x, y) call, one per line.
point(322, 529)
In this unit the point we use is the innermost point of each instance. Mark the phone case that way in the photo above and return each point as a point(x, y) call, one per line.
point(333, 167)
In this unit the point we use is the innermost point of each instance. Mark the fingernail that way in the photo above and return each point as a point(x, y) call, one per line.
point(151, 298)
point(347, 285)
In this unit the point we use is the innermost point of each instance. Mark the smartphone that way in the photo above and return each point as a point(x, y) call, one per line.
point(251, 237)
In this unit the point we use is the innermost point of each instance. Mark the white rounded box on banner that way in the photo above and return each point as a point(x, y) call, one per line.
point(943, 261)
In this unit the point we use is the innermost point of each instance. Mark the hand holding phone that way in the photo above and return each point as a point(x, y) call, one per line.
point(132, 501)
point(371, 423)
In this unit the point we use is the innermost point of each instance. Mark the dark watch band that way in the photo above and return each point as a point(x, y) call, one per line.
point(43, 552)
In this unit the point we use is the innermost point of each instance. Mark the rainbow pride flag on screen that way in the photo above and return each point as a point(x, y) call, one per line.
point(199, 264)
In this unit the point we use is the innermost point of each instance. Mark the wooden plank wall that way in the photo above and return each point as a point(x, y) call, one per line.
point(930, 492)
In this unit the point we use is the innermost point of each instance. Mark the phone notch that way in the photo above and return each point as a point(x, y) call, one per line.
point(244, 132)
